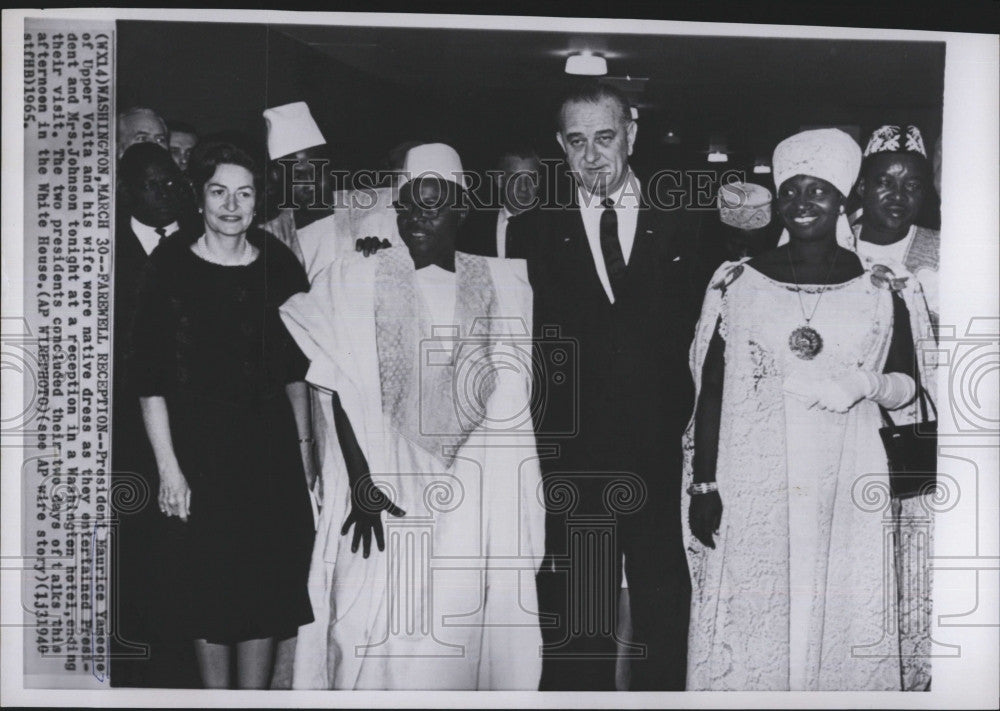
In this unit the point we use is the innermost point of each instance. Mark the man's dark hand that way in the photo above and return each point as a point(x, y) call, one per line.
point(367, 504)
point(370, 245)
point(705, 516)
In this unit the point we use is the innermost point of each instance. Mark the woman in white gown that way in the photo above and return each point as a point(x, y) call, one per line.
point(793, 580)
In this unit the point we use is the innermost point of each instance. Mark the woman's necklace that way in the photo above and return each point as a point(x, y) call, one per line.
point(805, 341)
point(201, 249)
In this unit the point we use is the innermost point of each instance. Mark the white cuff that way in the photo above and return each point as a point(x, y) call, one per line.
point(893, 390)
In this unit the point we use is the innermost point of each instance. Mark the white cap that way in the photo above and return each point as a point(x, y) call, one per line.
point(435, 160)
point(291, 128)
point(746, 206)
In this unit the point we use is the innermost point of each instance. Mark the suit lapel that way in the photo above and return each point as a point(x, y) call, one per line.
point(489, 233)
point(653, 231)
point(580, 258)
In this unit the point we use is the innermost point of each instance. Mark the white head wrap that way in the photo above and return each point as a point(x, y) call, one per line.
point(434, 160)
point(826, 153)
point(290, 129)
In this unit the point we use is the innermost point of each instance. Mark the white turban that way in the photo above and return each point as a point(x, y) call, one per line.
point(434, 160)
point(826, 153)
point(290, 129)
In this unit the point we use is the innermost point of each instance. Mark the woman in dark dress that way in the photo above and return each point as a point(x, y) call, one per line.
point(224, 402)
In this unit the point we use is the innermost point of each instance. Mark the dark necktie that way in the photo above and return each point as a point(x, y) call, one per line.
point(508, 241)
point(614, 261)
point(162, 231)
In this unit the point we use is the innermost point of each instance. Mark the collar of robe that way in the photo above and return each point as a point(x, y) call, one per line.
point(435, 381)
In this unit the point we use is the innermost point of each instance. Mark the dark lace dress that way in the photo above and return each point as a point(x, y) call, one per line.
point(208, 338)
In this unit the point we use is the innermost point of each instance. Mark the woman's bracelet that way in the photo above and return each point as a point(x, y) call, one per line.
point(703, 487)
point(304, 440)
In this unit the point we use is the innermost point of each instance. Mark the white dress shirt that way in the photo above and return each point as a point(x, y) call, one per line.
point(148, 236)
point(503, 219)
point(895, 252)
point(437, 286)
point(626, 206)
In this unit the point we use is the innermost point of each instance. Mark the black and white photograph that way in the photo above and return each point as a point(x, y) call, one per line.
point(427, 354)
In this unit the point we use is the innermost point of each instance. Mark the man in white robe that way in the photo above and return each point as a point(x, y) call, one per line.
point(428, 352)
point(323, 223)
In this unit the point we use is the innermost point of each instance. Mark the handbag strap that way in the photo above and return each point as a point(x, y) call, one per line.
point(923, 397)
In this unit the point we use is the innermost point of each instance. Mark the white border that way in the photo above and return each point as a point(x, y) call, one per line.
point(969, 269)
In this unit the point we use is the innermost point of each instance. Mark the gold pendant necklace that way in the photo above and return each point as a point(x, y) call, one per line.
point(805, 341)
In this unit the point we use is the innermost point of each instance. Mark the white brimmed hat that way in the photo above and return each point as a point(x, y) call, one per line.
point(434, 160)
point(291, 128)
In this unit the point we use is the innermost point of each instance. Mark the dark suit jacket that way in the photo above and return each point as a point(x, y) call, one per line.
point(631, 391)
point(612, 397)
point(147, 545)
point(130, 262)
point(479, 233)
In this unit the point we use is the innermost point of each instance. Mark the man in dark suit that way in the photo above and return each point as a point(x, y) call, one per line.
point(613, 317)
point(151, 208)
point(505, 231)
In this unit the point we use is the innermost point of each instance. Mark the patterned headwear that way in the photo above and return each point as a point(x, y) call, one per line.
point(745, 206)
point(896, 139)
point(826, 153)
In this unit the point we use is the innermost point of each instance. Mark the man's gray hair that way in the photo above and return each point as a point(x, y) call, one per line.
point(595, 93)
point(139, 110)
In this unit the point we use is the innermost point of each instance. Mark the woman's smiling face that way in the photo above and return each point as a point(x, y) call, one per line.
point(229, 200)
point(809, 206)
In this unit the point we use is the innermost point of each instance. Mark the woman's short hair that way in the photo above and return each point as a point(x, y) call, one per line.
point(203, 167)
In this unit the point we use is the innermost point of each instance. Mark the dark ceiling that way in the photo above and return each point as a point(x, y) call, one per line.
point(676, 65)
point(371, 87)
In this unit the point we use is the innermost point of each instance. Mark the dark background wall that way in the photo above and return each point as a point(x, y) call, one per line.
point(371, 88)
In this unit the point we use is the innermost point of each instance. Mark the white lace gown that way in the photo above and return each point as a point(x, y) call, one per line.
point(800, 590)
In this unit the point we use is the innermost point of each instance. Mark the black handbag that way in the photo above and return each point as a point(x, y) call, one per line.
point(911, 449)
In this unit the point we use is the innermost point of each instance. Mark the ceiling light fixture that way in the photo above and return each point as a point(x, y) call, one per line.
point(718, 149)
point(586, 63)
